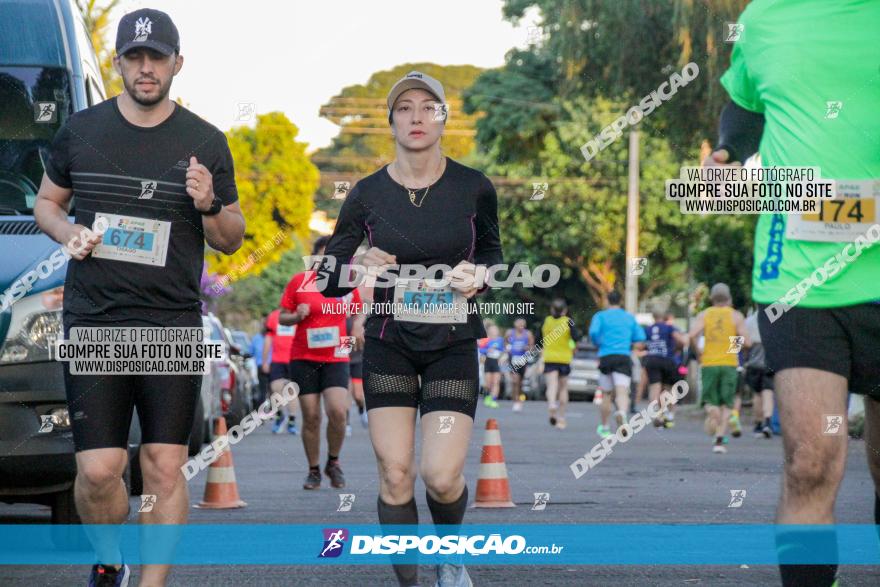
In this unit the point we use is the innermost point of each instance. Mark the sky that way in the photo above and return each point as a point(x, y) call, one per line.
point(294, 55)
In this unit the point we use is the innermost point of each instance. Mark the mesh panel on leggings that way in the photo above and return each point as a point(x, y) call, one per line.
point(381, 383)
point(458, 390)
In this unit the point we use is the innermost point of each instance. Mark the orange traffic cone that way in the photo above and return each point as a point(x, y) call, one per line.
point(597, 397)
point(493, 488)
point(221, 491)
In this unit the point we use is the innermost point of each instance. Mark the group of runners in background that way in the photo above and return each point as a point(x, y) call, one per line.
point(634, 358)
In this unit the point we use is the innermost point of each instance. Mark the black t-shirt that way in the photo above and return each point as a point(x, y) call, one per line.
point(457, 221)
point(131, 172)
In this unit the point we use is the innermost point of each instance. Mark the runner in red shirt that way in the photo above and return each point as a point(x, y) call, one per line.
point(280, 340)
point(321, 347)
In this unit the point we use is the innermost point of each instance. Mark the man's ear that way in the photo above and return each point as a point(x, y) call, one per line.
point(116, 65)
point(178, 63)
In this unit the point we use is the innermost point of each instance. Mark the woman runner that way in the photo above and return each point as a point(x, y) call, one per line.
point(422, 210)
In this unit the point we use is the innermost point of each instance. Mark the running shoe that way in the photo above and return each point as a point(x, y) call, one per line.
point(553, 420)
point(278, 426)
point(620, 418)
point(313, 480)
point(292, 429)
point(767, 431)
point(490, 402)
point(334, 471)
point(735, 427)
point(603, 431)
point(669, 420)
point(719, 449)
point(109, 576)
point(365, 421)
point(517, 407)
point(758, 432)
point(449, 575)
point(560, 423)
point(659, 422)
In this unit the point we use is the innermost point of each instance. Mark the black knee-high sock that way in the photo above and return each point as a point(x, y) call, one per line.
point(407, 513)
point(448, 513)
point(795, 546)
point(877, 509)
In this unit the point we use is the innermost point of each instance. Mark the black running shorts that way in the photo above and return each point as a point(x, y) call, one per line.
point(616, 364)
point(101, 405)
point(661, 370)
point(315, 377)
point(839, 340)
point(278, 371)
point(356, 369)
point(759, 378)
point(445, 379)
point(491, 366)
point(564, 369)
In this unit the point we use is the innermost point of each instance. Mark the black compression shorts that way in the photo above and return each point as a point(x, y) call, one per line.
point(661, 370)
point(838, 340)
point(449, 377)
point(315, 377)
point(101, 405)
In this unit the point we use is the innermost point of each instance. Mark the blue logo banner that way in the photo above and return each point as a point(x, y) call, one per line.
point(483, 544)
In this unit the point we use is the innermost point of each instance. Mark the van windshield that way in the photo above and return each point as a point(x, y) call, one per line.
point(34, 103)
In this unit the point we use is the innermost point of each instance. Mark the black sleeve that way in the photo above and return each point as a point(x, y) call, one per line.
point(575, 333)
point(487, 249)
point(346, 238)
point(740, 132)
point(223, 171)
point(57, 164)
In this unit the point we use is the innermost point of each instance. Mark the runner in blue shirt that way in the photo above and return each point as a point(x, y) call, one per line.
point(614, 331)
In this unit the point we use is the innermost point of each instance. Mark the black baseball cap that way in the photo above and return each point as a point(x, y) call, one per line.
point(148, 28)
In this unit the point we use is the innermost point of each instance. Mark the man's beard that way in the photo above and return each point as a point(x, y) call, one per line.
point(142, 98)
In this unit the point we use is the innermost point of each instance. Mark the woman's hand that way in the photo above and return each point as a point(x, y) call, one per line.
point(463, 279)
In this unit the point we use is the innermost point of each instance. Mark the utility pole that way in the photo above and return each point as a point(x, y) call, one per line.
point(632, 225)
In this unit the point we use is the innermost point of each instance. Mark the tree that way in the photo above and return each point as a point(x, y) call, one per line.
point(96, 19)
point(253, 297)
point(276, 183)
point(611, 48)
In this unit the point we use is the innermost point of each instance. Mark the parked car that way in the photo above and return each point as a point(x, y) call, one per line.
point(235, 389)
point(243, 344)
point(583, 381)
point(48, 71)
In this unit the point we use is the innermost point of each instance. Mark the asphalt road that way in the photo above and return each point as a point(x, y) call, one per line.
point(660, 476)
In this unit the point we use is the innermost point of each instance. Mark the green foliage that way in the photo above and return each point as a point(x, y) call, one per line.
point(257, 295)
point(276, 182)
point(97, 20)
point(596, 59)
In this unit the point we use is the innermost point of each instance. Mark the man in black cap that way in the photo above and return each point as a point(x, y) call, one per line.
point(161, 178)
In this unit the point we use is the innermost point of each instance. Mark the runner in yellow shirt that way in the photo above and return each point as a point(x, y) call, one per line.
point(721, 325)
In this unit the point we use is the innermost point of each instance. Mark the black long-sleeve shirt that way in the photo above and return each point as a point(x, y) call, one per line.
point(457, 221)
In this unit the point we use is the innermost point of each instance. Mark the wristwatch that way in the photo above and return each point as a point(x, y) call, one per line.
point(216, 206)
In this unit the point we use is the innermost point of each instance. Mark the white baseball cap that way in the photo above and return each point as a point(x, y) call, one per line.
point(415, 79)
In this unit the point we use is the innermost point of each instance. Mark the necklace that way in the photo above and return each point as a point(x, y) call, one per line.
point(412, 193)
